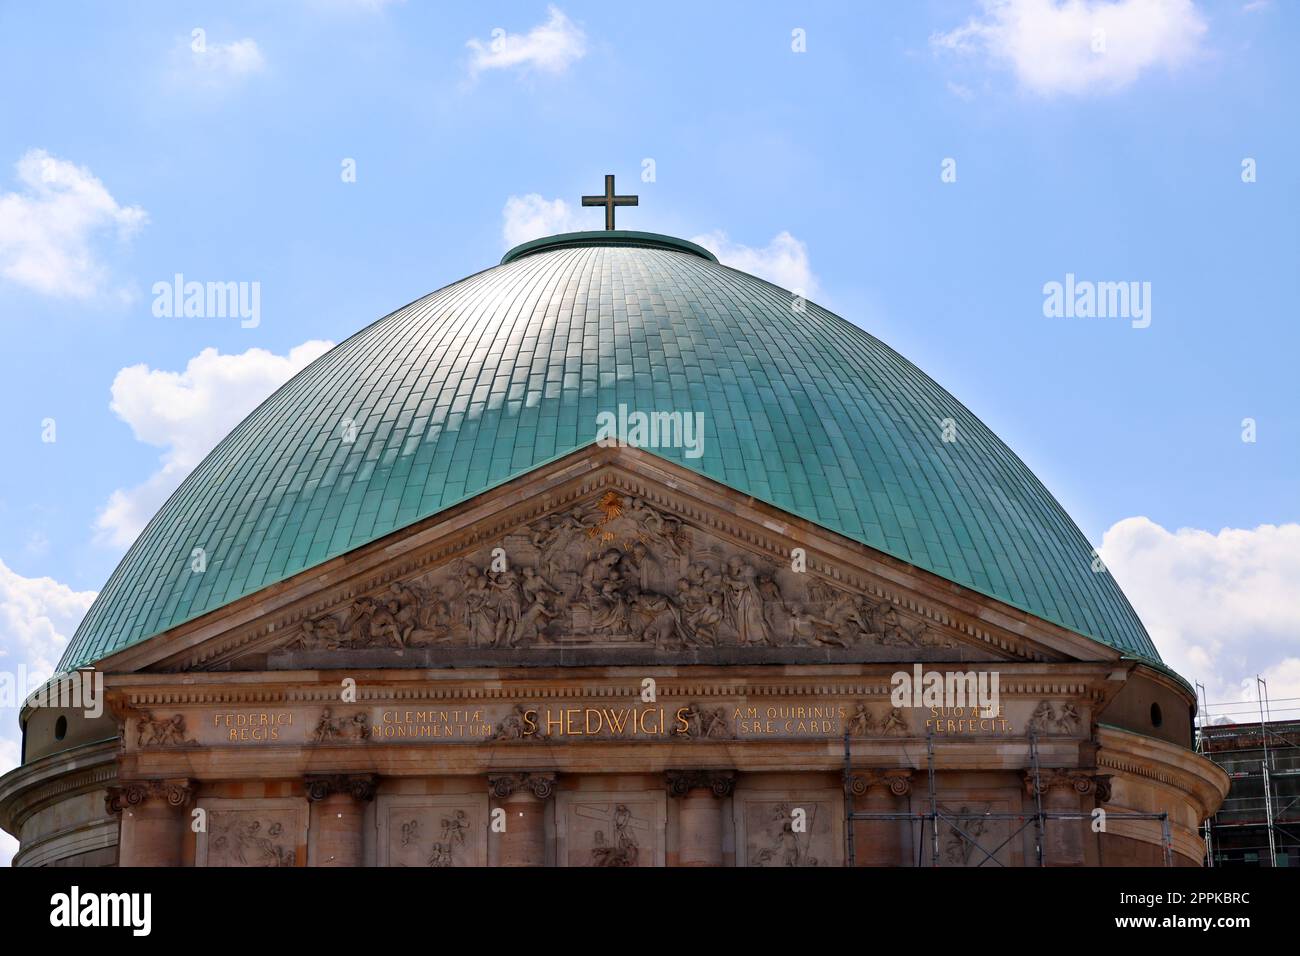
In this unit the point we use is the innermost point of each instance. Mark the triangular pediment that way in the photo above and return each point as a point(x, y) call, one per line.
point(607, 557)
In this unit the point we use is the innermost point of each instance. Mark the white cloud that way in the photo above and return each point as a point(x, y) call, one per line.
point(783, 261)
point(186, 413)
point(1220, 607)
point(37, 616)
point(532, 217)
point(1051, 45)
point(549, 47)
point(48, 229)
point(237, 58)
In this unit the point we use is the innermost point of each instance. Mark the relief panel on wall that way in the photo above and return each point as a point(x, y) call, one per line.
point(970, 840)
point(787, 828)
point(438, 831)
point(610, 828)
point(255, 832)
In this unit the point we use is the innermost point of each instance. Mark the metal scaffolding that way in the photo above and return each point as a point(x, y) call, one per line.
point(957, 821)
point(1263, 762)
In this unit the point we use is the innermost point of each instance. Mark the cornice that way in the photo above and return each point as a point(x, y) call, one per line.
point(281, 687)
point(28, 789)
point(1164, 763)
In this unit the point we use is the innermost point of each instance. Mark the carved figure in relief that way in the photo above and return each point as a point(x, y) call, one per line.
point(434, 623)
point(847, 619)
point(1041, 719)
point(957, 847)
point(536, 587)
point(805, 628)
point(538, 612)
point(514, 726)
point(375, 623)
point(608, 608)
point(478, 617)
point(775, 612)
point(744, 603)
point(861, 723)
point(598, 572)
point(1068, 720)
point(702, 723)
point(784, 846)
point(321, 634)
point(553, 537)
point(455, 831)
point(249, 843)
point(534, 621)
point(506, 600)
point(631, 565)
point(440, 855)
point(329, 727)
point(154, 731)
point(624, 851)
point(659, 527)
point(895, 632)
point(662, 624)
point(895, 723)
point(701, 611)
point(405, 607)
point(694, 722)
point(410, 832)
point(617, 569)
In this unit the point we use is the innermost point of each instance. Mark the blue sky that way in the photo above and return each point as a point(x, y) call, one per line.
point(145, 158)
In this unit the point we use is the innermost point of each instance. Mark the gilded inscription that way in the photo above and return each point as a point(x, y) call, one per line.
point(435, 724)
point(949, 721)
point(246, 726)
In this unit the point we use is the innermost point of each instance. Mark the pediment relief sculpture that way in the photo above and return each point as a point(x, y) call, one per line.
point(614, 571)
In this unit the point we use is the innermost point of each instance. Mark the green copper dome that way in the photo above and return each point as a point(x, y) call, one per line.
point(486, 379)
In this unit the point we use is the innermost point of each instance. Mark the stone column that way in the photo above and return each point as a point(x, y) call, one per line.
point(1062, 791)
point(523, 796)
point(338, 808)
point(155, 820)
point(880, 842)
point(699, 815)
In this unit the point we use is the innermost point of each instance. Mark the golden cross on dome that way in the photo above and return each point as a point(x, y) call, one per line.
point(609, 201)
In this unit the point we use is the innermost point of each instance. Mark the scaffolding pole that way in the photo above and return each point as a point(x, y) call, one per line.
point(1203, 715)
point(1261, 687)
point(934, 816)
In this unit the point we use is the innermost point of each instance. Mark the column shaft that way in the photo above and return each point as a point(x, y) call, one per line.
point(154, 821)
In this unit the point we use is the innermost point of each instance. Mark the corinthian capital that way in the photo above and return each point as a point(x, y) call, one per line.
point(175, 792)
point(898, 782)
point(361, 786)
point(1063, 779)
point(502, 785)
point(682, 782)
